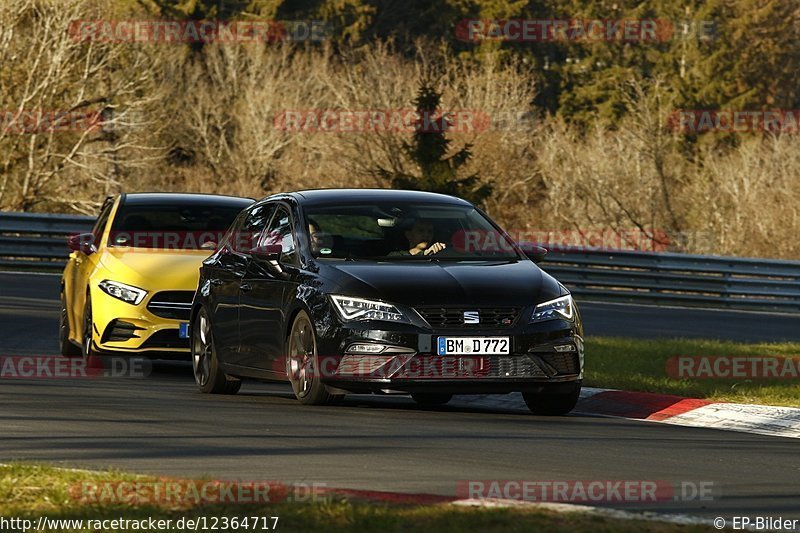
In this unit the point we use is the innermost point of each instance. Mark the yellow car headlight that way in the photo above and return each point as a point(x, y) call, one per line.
point(120, 291)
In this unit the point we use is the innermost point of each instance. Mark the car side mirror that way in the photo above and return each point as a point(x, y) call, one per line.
point(83, 242)
point(267, 252)
point(535, 253)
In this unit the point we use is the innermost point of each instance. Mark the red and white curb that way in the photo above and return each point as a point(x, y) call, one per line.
point(668, 409)
point(400, 498)
point(647, 516)
point(434, 499)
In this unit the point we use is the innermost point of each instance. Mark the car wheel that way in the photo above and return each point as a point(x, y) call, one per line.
point(302, 364)
point(67, 348)
point(431, 400)
point(207, 373)
point(93, 360)
point(552, 403)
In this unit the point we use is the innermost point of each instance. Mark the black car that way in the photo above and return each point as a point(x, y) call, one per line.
point(383, 291)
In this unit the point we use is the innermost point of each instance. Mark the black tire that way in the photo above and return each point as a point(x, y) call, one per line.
point(66, 346)
point(208, 375)
point(552, 403)
point(431, 400)
point(302, 362)
point(86, 339)
point(93, 359)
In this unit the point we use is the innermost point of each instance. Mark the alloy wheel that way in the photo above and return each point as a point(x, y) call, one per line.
point(202, 350)
point(300, 363)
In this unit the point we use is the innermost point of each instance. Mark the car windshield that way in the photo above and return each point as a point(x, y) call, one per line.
point(400, 231)
point(178, 227)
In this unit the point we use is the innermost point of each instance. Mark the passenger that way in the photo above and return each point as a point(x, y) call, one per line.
point(321, 242)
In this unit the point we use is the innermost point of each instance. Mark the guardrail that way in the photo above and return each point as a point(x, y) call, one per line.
point(38, 243)
point(678, 279)
point(34, 242)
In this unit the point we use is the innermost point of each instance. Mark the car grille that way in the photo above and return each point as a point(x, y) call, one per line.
point(171, 304)
point(471, 367)
point(439, 367)
point(453, 317)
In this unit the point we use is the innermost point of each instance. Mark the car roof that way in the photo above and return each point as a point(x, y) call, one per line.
point(327, 196)
point(160, 198)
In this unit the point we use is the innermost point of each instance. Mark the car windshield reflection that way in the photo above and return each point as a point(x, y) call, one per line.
point(400, 232)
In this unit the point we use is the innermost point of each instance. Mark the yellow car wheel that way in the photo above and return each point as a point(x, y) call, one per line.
point(66, 347)
point(93, 360)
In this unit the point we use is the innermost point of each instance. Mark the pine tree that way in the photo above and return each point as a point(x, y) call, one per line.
point(428, 150)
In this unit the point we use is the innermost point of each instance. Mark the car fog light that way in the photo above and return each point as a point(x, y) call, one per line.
point(366, 348)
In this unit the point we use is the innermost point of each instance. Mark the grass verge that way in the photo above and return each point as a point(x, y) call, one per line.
point(31, 491)
point(641, 365)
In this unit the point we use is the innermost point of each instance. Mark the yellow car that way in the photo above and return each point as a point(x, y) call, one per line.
point(128, 285)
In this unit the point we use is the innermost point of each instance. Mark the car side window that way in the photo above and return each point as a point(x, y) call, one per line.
point(255, 223)
point(280, 232)
point(228, 241)
point(102, 220)
point(248, 227)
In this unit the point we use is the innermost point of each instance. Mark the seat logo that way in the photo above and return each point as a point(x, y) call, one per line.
point(472, 317)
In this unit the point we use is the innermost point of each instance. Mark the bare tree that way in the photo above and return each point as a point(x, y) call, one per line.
point(63, 157)
point(623, 179)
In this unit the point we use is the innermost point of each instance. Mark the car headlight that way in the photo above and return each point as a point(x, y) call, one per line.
point(558, 308)
point(120, 291)
point(359, 309)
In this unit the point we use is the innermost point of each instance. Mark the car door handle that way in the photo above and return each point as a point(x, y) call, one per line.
point(245, 287)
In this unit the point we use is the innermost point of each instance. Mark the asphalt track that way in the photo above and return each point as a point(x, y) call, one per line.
point(161, 425)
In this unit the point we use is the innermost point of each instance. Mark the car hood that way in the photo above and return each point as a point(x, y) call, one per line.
point(414, 283)
point(154, 269)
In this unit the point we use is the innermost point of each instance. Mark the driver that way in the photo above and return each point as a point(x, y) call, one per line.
point(420, 237)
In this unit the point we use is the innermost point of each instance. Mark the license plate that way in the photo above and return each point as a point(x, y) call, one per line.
point(474, 346)
point(183, 330)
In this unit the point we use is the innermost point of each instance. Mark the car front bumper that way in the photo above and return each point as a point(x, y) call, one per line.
point(121, 328)
point(546, 356)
